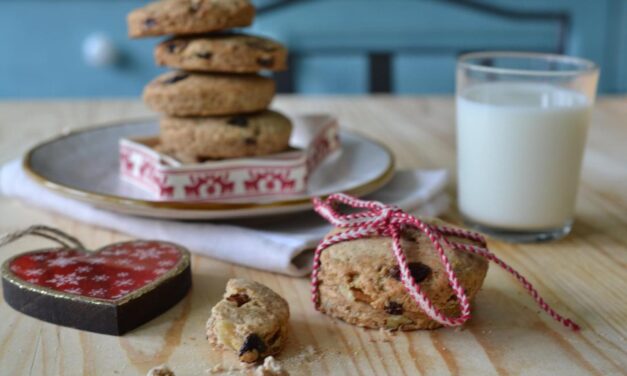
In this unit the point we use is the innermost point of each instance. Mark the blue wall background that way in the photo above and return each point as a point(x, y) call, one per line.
point(338, 46)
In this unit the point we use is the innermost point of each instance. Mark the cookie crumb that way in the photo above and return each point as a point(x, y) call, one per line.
point(161, 370)
point(310, 352)
point(270, 367)
point(307, 355)
point(302, 357)
point(386, 335)
point(218, 368)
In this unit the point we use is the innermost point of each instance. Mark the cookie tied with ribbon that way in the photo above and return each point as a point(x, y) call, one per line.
point(112, 290)
point(383, 268)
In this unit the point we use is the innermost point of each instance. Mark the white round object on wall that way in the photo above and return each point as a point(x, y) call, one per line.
point(99, 50)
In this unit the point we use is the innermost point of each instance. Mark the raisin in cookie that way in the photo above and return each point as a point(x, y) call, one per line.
point(230, 53)
point(360, 281)
point(189, 17)
point(233, 136)
point(251, 319)
point(196, 94)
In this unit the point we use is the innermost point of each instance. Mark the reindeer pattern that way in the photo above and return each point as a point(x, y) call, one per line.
point(126, 163)
point(156, 179)
point(209, 185)
point(268, 180)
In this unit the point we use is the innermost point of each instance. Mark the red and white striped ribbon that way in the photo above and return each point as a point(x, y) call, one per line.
point(378, 219)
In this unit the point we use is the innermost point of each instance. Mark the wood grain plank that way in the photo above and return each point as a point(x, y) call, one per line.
point(583, 275)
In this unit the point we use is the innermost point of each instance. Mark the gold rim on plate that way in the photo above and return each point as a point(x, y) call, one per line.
point(102, 198)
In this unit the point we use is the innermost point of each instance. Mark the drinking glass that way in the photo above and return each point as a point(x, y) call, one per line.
point(522, 120)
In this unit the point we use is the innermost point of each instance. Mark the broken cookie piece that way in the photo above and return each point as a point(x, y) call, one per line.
point(251, 320)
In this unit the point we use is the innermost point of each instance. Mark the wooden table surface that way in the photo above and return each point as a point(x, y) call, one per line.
point(584, 276)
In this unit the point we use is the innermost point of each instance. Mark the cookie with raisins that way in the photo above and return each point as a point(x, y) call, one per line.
point(182, 93)
point(250, 320)
point(360, 281)
point(182, 17)
point(226, 53)
point(199, 139)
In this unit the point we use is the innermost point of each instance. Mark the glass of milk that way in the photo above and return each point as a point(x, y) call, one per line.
point(522, 120)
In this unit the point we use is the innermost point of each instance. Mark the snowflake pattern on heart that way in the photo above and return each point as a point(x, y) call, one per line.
point(110, 273)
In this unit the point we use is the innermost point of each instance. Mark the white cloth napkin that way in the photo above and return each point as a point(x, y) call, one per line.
point(282, 244)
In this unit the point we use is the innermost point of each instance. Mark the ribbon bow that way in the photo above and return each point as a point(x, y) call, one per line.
point(377, 219)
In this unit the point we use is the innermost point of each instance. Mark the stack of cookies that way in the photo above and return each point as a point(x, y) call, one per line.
point(215, 103)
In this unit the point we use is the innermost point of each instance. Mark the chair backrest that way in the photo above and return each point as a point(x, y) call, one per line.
point(396, 46)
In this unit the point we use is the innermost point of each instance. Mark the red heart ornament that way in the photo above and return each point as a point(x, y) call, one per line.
point(111, 290)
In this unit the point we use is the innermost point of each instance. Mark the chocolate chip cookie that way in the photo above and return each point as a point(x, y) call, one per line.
point(196, 139)
point(251, 319)
point(189, 17)
point(181, 93)
point(230, 53)
point(360, 281)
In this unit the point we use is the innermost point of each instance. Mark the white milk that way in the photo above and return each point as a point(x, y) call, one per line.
point(520, 147)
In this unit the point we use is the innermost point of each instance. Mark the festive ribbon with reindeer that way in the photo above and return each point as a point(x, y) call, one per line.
point(378, 219)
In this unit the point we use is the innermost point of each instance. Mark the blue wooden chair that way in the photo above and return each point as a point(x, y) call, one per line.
point(410, 46)
point(337, 46)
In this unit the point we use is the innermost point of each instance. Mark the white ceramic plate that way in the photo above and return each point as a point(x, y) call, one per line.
point(84, 165)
